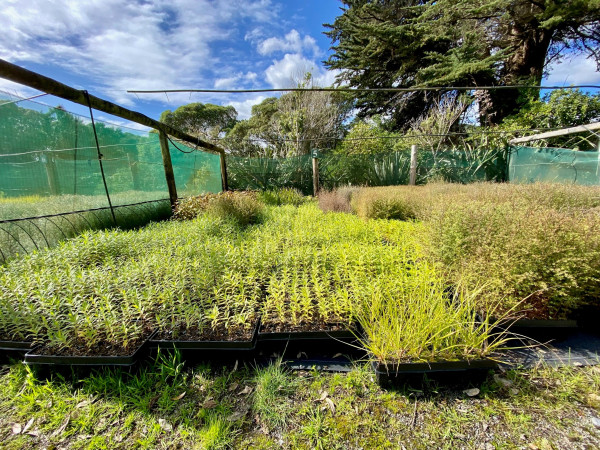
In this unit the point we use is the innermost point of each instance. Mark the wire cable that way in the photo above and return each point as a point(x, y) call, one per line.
point(342, 89)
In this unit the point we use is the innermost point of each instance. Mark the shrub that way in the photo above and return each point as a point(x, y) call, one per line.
point(242, 208)
point(377, 203)
point(283, 196)
point(334, 201)
point(520, 251)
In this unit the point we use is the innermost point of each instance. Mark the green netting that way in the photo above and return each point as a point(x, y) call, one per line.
point(49, 166)
point(460, 166)
point(529, 165)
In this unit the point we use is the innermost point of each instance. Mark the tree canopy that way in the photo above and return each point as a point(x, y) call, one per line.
point(204, 120)
point(410, 43)
point(292, 124)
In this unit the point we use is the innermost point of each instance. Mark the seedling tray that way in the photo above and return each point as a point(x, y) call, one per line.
point(461, 372)
point(209, 345)
point(540, 329)
point(34, 358)
point(321, 341)
point(13, 349)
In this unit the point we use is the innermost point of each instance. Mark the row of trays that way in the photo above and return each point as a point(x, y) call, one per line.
point(295, 345)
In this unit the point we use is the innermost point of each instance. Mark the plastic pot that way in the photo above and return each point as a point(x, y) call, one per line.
point(209, 345)
point(197, 351)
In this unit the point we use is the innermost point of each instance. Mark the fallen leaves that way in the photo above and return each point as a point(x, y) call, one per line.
point(178, 397)
point(209, 403)
point(62, 427)
point(246, 390)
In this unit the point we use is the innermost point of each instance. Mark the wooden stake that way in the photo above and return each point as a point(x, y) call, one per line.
point(169, 175)
point(315, 169)
point(224, 182)
point(413, 165)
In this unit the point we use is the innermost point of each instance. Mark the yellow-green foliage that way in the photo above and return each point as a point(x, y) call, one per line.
point(538, 242)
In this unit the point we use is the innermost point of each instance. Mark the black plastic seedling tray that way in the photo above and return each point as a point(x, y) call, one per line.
point(213, 350)
point(321, 341)
point(34, 358)
point(13, 349)
point(446, 372)
point(540, 330)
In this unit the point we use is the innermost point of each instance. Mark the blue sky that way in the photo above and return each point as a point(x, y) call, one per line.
point(110, 46)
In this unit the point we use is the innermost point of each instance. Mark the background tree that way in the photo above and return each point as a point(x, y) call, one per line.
point(292, 124)
point(204, 120)
point(407, 43)
point(559, 109)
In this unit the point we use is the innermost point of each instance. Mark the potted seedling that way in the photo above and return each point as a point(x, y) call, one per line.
point(413, 331)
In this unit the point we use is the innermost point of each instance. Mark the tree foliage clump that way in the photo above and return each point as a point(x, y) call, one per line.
point(203, 120)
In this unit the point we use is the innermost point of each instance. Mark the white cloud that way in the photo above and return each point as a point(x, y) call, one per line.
point(244, 108)
point(289, 70)
point(120, 44)
point(576, 71)
point(292, 42)
point(234, 81)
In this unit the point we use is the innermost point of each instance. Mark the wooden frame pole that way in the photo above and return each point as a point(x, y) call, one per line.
point(224, 181)
point(169, 175)
point(42, 83)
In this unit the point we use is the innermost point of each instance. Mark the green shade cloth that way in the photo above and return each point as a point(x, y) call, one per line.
point(555, 165)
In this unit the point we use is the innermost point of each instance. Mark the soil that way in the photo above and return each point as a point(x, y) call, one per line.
point(302, 327)
point(101, 349)
point(208, 334)
point(7, 338)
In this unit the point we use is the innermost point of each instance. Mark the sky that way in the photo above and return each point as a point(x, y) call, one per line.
point(111, 46)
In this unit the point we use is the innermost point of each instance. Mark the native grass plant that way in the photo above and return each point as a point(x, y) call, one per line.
point(23, 237)
point(411, 317)
point(545, 260)
point(337, 200)
point(111, 288)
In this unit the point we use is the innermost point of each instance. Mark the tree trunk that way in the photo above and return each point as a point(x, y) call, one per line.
point(524, 66)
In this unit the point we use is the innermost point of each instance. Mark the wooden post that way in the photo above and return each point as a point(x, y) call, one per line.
point(169, 175)
point(224, 182)
point(51, 173)
point(413, 165)
point(135, 172)
point(315, 170)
